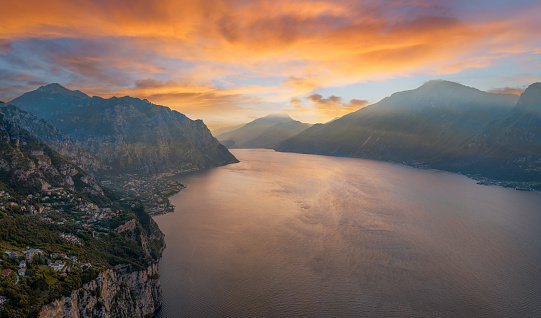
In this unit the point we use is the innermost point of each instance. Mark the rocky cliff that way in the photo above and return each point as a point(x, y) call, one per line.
point(122, 279)
point(54, 137)
point(115, 292)
point(28, 165)
point(128, 134)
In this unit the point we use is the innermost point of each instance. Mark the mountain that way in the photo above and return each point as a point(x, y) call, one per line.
point(51, 100)
point(77, 239)
point(54, 137)
point(427, 125)
point(224, 130)
point(509, 149)
point(27, 165)
point(265, 132)
point(274, 135)
point(128, 134)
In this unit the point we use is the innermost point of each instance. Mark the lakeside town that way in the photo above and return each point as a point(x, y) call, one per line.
point(63, 209)
point(152, 191)
point(74, 220)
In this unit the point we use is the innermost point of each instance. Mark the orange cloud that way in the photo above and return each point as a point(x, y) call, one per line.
point(459, 66)
point(230, 56)
point(247, 32)
point(507, 90)
point(326, 108)
point(300, 85)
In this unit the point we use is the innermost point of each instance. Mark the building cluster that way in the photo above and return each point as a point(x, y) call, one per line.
point(92, 213)
point(65, 263)
point(52, 200)
point(60, 206)
point(154, 192)
point(31, 253)
point(57, 262)
point(71, 238)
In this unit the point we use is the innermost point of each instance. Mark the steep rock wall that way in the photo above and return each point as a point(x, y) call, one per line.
point(115, 292)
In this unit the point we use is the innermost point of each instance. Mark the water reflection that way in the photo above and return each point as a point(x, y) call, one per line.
point(288, 234)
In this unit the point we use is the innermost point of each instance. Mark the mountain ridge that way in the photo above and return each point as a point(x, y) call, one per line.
point(263, 132)
point(129, 134)
point(72, 235)
point(56, 138)
point(33, 166)
point(511, 147)
point(442, 125)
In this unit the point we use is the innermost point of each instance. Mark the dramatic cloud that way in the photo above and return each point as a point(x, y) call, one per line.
point(328, 108)
point(216, 54)
point(507, 90)
point(333, 105)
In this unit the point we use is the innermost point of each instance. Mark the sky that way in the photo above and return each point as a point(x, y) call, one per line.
point(229, 62)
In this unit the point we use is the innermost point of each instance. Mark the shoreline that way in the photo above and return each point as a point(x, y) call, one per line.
point(527, 186)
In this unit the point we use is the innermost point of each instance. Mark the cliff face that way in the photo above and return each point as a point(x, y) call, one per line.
point(28, 165)
point(114, 293)
point(54, 137)
point(128, 134)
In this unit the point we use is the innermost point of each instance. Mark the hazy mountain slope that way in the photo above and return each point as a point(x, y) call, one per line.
point(128, 134)
point(264, 132)
point(423, 125)
point(510, 149)
point(274, 135)
point(227, 129)
point(28, 165)
point(54, 137)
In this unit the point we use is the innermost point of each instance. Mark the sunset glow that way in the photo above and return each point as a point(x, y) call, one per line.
point(228, 62)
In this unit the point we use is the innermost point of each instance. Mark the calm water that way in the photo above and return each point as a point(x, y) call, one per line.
point(284, 234)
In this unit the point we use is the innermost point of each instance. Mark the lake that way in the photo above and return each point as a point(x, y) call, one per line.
point(283, 234)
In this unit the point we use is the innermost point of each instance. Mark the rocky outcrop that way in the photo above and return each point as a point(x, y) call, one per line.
point(28, 165)
point(128, 134)
point(128, 226)
point(54, 137)
point(115, 292)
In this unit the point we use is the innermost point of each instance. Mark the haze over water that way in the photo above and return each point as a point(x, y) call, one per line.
point(283, 234)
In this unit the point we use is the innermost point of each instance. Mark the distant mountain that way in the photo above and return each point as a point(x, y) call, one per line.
point(224, 130)
point(27, 165)
point(424, 125)
point(54, 137)
point(128, 134)
point(265, 132)
point(509, 149)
